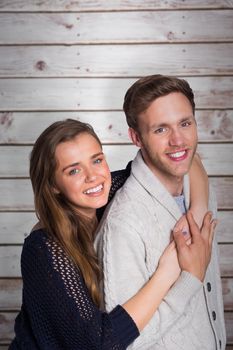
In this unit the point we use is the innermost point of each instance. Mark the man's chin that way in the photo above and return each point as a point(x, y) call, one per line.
point(180, 173)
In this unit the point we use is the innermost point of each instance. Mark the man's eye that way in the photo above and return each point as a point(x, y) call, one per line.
point(160, 130)
point(98, 160)
point(185, 124)
point(74, 171)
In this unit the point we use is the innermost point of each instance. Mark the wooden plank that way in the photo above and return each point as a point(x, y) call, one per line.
point(226, 259)
point(14, 227)
point(106, 93)
point(7, 320)
point(10, 294)
point(227, 288)
point(10, 260)
point(215, 125)
point(16, 194)
point(224, 228)
point(224, 191)
point(229, 327)
point(110, 5)
point(123, 27)
point(117, 157)
point(116, 60)
point(217, 158)
point(10, 298)
point(111, 126)
point(7, 327)
point(19, 159)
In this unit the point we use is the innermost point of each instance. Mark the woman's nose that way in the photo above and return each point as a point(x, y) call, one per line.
point(90, 175)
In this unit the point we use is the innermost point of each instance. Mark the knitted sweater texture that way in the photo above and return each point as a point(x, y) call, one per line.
point(133, 233)
point(57, 311)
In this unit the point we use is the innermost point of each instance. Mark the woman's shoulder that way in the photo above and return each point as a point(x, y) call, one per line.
point(45, 249)
point(35, 244)
point(36, 235)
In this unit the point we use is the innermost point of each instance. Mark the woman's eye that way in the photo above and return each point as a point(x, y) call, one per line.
point(74, 171)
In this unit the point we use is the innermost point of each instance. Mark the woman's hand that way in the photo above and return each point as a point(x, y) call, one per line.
point(168, 263)
point(195, 257)
point(183, 226)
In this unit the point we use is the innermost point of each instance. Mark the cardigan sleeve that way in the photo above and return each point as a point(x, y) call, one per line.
point(60, 312)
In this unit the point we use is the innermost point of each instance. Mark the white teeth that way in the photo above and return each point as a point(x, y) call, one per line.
point(177, 154)
point(94, 189)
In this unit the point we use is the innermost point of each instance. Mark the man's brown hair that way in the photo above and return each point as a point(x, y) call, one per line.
point(147, 89)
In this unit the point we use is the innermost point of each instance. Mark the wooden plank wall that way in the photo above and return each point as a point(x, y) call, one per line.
point(76, 59)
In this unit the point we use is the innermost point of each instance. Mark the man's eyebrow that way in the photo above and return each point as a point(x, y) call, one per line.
point(163, 124)
point(187, 118)
point(156, 126)
point(77, 163)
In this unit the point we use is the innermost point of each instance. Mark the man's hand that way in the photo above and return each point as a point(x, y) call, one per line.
point(194, 258)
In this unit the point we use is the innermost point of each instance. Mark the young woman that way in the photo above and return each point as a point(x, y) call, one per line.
point(60, 309)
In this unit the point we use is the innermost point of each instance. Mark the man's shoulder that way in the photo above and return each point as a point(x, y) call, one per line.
point(119, 177)
point(127, 198)
point(127, 207)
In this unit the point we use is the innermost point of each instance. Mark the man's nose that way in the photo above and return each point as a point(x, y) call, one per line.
point(176, 138)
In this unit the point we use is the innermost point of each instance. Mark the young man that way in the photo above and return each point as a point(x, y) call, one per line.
point(137, 226)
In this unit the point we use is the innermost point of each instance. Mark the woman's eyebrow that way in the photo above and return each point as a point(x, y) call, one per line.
point(77, 163)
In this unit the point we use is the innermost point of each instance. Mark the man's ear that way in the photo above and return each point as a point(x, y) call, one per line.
point(134, 137)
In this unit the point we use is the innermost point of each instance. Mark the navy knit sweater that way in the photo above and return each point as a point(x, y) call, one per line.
point(57, 311)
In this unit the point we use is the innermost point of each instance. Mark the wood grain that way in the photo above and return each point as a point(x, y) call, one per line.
point(15, 226)
point(53, 65)
point(7, 326)
point(106, 93)
point(227, 287)
point(111, 126)
point(11, 293)
point(115, 60)
point(224, 228)
point(217, 158)
point(226, 260)
point(10, 261)
point(7, 320)
point(123, 27)
point(229, 326)
point(111, 5)
point(16, 194)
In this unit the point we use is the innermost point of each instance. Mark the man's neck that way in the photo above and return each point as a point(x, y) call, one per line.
point(175, 187)
point(173, 184)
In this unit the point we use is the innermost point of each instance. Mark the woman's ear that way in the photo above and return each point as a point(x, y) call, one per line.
point(56, 190)
point(134, 137)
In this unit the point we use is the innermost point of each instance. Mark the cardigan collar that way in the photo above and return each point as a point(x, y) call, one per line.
point(155, 188)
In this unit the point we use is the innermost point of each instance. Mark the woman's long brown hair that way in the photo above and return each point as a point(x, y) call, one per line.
point(75, 233)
